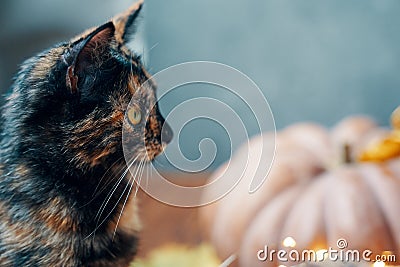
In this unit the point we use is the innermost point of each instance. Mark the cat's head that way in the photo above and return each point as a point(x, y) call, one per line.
point(72, 100)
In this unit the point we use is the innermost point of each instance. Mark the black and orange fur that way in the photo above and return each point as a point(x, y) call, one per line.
point(62, 140)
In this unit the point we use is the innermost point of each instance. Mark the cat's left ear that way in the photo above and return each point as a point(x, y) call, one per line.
point(85, 55)
point(125, 23)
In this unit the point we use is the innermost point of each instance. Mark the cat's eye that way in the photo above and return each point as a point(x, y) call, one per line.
point(134, 115)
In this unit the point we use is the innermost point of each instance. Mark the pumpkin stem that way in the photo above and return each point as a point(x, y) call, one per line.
point(347, 154)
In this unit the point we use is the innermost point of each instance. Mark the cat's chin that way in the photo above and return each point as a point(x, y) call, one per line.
point(151, 157)
point(152, 154)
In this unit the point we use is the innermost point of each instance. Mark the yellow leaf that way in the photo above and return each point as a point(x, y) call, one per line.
point(180, 256)
point(389, 147)
point(386, 149)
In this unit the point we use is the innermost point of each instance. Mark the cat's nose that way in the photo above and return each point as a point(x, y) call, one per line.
point(166, 133)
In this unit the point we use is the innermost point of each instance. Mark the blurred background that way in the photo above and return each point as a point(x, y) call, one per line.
point(313, 60)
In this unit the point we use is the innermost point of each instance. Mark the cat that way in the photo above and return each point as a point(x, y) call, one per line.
point(63, 183)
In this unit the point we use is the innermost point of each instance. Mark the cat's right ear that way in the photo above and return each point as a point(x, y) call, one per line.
point(125, 23)
point(84, 54)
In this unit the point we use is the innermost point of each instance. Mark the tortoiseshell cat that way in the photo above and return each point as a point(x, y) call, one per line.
point(62, 142)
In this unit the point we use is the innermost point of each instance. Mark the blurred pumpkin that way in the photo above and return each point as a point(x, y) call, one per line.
point(316, 193)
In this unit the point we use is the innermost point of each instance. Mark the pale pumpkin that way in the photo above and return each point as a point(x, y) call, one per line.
point(315, 193)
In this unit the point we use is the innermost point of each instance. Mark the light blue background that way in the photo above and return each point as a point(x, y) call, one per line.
point(314, 60)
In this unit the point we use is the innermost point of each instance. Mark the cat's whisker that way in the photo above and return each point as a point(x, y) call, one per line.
point(140, 178)
point(108, 197)
point(134, 179)
point(154, 46)
point(98, 216)
point(104, 175)
point(131, 64)
point(123, 206)
point(119, 170)
point(137, 170)
point(148, 168)
point(139, 181)
point(143, 56)
point(149, 51)
point(141, 165)
point(97, 193)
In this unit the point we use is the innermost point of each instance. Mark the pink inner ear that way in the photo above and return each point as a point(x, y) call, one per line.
point(103, 37)
point(94, 47)
point(72, 80)
point(100, 41)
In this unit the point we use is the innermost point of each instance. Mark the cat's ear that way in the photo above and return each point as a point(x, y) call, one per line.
point(85, 53)
point(125, 23)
